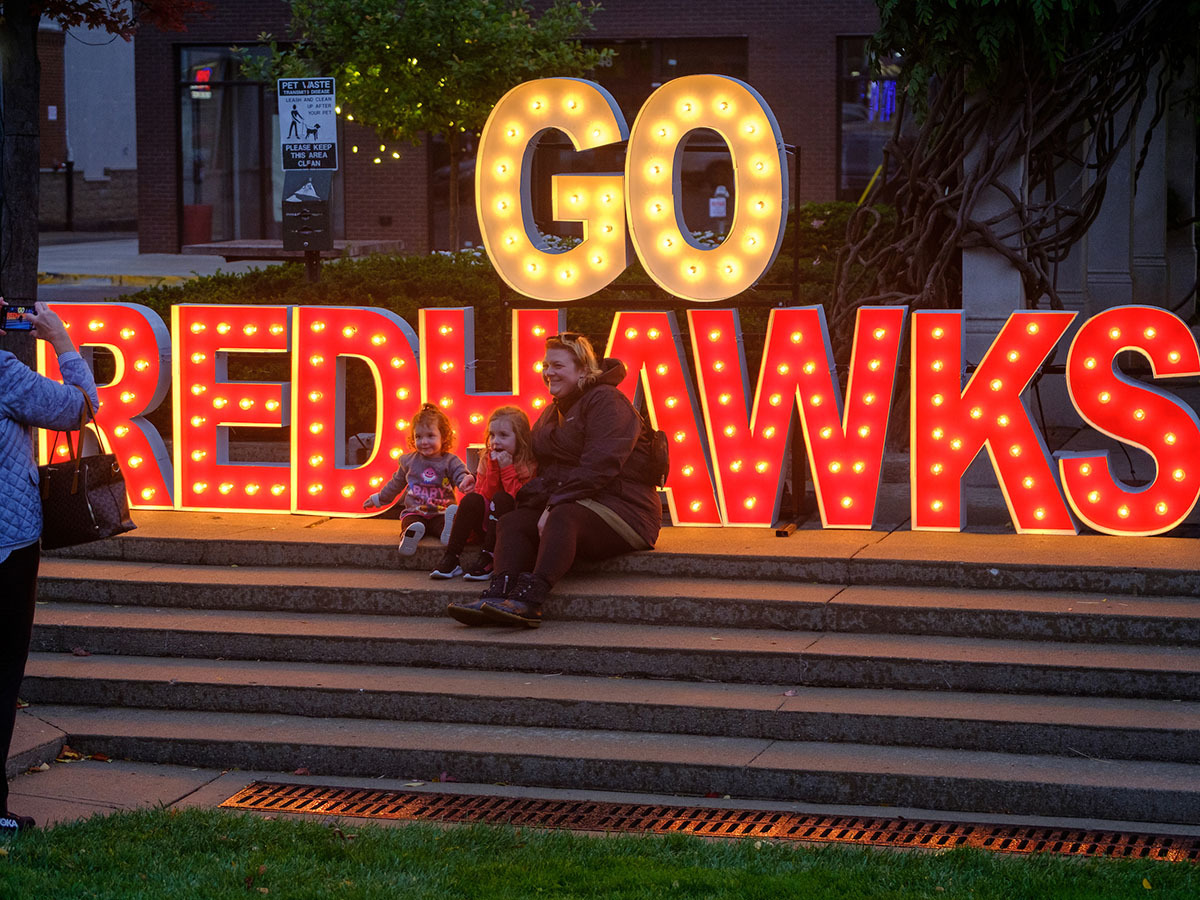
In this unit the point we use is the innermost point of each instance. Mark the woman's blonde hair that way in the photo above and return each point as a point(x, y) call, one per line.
point(581, 349)
point(523, 459)
point(429, 414)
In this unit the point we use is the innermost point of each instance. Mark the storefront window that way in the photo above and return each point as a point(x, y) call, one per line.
point(231, 172)
point(866, 114)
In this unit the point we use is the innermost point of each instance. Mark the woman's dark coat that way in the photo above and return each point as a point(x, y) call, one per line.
point(594, 445)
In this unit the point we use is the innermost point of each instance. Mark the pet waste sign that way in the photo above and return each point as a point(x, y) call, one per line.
point(308, 123)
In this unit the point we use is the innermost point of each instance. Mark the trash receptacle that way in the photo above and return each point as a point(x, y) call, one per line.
point(306, 224)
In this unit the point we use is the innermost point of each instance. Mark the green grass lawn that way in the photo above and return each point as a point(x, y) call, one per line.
point(212, 854)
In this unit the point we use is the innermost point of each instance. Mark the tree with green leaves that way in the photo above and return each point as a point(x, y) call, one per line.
point(408, 67)
point(1054, 85)
point(20, 80)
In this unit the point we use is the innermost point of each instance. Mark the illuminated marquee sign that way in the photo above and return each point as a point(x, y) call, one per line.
point(643, 201)
point(729, 441)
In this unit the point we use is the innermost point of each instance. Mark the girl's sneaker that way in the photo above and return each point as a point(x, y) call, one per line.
point(448, 568)
point(412, 536)
point(451, 512)
point(482, 570)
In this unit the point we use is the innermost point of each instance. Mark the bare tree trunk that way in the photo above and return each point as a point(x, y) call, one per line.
point(20, 78)
point(452, 140)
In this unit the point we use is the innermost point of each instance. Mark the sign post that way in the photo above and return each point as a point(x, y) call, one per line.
point(308, 135)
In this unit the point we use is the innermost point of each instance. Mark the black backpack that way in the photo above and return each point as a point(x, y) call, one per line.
point(660, 453)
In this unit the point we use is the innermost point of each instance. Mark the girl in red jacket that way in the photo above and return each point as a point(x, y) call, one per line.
point(504, 466)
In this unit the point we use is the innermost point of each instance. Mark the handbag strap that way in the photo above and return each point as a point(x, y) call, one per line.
point(86, 414)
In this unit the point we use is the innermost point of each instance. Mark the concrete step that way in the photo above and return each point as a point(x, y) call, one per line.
point(814, 772)
point(33, 742)
point(1114, 728)
point(703, 602)
point(1162, 566)
point(743, 655)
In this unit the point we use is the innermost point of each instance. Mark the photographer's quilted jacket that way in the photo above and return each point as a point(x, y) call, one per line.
point(30, 400)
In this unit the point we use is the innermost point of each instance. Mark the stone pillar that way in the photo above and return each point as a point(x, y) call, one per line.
point(1110, 239)
point(991, 287)
point(1150, 212)
point(991, 290)
point(1180, 165)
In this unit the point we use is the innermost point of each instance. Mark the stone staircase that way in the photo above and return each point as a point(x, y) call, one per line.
point(993, 674)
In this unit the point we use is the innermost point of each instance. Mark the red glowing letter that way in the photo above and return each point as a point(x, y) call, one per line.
point(951, 424)
point(448, 367)
point(207, 403)
point(1137, 414)
point(141, 349)
point(323, 337)
point(748, 450)
point(649, 344)
point(845, 449)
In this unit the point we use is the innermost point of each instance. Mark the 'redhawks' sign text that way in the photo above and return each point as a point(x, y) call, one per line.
point(729, 442)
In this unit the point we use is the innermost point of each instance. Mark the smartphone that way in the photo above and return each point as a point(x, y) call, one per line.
point(14, 318)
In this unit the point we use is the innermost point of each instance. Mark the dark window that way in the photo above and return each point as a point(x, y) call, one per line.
point(866, 114)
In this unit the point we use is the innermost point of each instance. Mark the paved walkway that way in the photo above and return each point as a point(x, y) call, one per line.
point(115, 260)
point(67, 791)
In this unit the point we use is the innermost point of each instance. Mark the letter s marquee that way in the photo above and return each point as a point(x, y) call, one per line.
point(647, 193)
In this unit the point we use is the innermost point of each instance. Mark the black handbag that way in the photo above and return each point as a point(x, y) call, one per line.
point(84, 498)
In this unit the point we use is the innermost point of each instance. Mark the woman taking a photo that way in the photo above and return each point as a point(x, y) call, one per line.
point(594, 496)
point(27, 401)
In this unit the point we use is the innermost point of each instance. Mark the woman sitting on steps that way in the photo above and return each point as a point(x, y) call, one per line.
point(593, 498)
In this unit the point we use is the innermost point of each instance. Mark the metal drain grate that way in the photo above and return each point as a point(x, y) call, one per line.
point(592, 815)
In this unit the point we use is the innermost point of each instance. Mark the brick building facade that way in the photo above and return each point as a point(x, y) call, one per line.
point(51, 100)
point(788, 51)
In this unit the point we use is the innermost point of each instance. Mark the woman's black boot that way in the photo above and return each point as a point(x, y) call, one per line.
point(524, 603)
point(470, 612)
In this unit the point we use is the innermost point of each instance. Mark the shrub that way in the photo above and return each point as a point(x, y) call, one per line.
point(406, 284)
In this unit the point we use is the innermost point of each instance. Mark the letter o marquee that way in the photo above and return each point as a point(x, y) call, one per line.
point(653, 165)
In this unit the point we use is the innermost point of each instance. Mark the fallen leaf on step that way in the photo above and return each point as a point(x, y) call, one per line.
point(791, 693)
point(302, 771)
point(79, 651)
point(40, 767)
point(21, 704)
point(66, 754)
point(99, 757)
point(413, 783)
